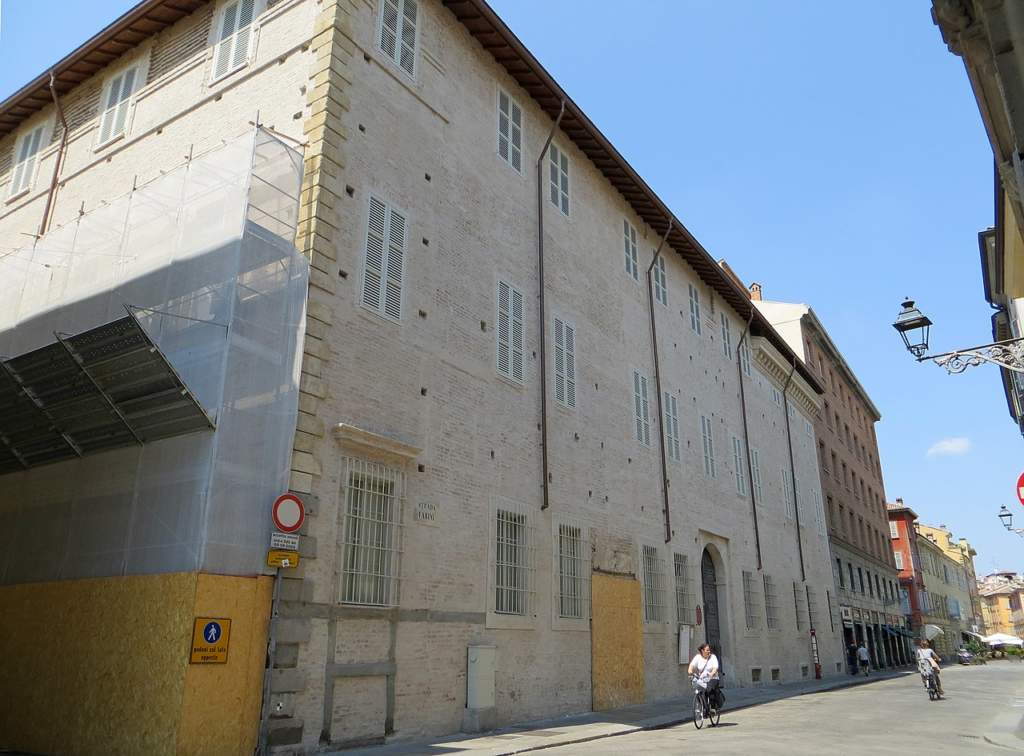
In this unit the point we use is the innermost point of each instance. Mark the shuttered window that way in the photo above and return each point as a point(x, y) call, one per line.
point(641, 414)
point(771, 611)
point(738, 462)
point(115, 104)
point(694, 309)
point(510, 332)
point(709, 446)
point(559, 178)
point(398, 19)
point(819, 511)
point(629, 243)
point(565, 363)
point(893, 530)
point(24, 168)
point(233, 37)
point(510, 131)
point(787, 491)
point(385, 260)
point(745, 358)
point(672, 426)
point(898, 556)
point(726, 336)
point(755, 464)
point(660, 281)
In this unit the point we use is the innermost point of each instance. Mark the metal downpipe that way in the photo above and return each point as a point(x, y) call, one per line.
point(45, 222)
point(792, 472)
point(746, 434)
point(543, 317)
point(657, 383)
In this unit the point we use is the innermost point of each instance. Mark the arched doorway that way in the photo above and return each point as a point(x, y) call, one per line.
point(709, 589)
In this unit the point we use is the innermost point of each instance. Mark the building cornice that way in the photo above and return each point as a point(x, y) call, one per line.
point(771, 362)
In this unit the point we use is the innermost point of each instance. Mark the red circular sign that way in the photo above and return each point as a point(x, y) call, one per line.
point(1020, 488)
point(288, 513)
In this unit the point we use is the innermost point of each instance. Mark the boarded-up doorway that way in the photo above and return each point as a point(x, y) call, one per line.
point(617, 643)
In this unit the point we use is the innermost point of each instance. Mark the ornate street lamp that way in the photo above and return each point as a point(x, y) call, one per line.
point(1006, 516)
point(915, 327)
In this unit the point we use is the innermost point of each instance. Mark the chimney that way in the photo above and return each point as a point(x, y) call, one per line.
point(755, 292)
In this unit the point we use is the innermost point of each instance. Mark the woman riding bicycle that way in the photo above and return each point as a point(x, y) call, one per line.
point(704, 669)
point(928, 664)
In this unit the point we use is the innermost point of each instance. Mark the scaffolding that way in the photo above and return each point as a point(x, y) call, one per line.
point(174, 316)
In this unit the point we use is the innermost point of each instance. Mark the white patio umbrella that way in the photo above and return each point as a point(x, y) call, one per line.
point(930, 631)
point(1002, 639)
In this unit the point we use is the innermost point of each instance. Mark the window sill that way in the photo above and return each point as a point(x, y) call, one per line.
point(113, 140)
point(227, 74)
point(19, 195)
point(496, 621)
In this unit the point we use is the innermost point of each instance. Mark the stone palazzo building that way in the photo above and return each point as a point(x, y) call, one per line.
point(546, 443)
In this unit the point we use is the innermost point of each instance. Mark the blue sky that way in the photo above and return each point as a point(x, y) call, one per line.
point(837, 158)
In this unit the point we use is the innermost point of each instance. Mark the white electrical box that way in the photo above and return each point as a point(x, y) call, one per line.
point(480, 676)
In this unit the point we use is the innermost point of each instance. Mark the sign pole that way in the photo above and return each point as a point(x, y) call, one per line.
point(262, 749)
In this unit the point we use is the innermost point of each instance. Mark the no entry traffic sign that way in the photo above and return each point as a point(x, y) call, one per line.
point(1020, 488)
point(288, 513)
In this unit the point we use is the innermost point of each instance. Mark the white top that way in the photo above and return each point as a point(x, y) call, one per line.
point(705, 669)
point(923, 654)
point(862, 654)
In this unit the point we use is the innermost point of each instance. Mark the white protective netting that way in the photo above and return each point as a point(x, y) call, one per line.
point(205, 257)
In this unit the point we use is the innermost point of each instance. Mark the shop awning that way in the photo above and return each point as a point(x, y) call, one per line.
point(102, 389)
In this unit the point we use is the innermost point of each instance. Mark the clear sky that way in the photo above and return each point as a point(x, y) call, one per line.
point(836, 157)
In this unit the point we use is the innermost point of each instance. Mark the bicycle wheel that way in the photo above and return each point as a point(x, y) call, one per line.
point(698, 710)
point(715, 715)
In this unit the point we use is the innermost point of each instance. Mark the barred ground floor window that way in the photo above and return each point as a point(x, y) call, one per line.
point(513, 563)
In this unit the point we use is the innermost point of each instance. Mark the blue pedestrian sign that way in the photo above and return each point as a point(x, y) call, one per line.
point(210, 636)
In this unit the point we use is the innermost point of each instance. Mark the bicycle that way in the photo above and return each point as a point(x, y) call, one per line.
point(704, 709)
point(931, 683)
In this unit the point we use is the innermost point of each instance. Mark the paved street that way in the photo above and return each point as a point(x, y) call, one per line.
point(890, 716)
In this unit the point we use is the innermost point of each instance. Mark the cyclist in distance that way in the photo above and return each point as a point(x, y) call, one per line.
point(927, 657)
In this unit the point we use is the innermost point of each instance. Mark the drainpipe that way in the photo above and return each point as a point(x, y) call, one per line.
point(746, 433)
point(792, 473)
point(657, 382)
point(44, 224)
point(543, 319)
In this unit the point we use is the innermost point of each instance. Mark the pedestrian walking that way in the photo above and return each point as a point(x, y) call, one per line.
point(851, 657)
point(865, 659)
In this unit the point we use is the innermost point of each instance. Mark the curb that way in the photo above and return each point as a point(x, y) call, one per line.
point(661, 725)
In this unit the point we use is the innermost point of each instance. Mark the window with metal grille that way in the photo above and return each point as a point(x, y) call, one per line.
point(898, 556)
point(629, 243)
point(24, 168)
point(685, 600)
point(513, 563)
point(641, 417)
point(510, 332)
point(660, 281)
point(565, 363)
point(573, 572)
point(840, 580)
point(831, 614)
point(726, 336)
point(694, 309)
point(372, 533)
point(384, 262)
point(117, 98)
point(654, 586)
point(812, 608)
point(819, 512)
point(787, 491)
point(799, 606)
point(510, 131)
point(558, 164)
point(751, 605)
point(708, 441)
point(397, 37)
point(739, 466)
point(672, 427)
point(771, 610)
point(755, 464)
point(234, 37)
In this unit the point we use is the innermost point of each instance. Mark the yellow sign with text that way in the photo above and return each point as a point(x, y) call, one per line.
point(210, 637)
point(282, 558)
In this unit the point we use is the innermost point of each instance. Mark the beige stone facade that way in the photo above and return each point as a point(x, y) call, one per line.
point(418, 446)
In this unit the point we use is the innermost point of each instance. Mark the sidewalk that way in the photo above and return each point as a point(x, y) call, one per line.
point(579, 728)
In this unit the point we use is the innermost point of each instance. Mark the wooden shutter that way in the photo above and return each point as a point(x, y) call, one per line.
point(565, 363)
point(510, 332)
point(26, 160)
point(407, 49)
point(232, 50)
point(510, 131)
point(398, 32)
point(115, 109)
point(641, 409)
point(385, 260)
point(672, 426)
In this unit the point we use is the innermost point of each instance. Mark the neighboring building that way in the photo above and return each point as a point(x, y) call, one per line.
point(1002, 594)
point(982, 33)
point(851, 480)
point(947, 600)
point(962, 553)
point(504, 523)
point(903, 540)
